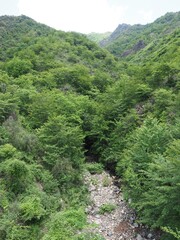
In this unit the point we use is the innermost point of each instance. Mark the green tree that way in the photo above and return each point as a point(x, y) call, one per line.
point(159, 205)
point(17, 67)
point(16, 175)
point(62, 146)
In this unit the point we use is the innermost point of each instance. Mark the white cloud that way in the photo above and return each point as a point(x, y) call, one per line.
point(74, 15)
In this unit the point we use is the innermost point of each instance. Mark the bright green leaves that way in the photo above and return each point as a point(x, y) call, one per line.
point(59, 136)
point(149, 165)
point(163, 101)
point(17, 67)
point(8, 106)
point(31, 208)
point(150, 139)
point(160, 203)
point(7, 151)
point(16, 175)
point(64, 225)
point(62, 97)
point(62, 145)
point(124, 95)
point(53, 103)
point(76, 76)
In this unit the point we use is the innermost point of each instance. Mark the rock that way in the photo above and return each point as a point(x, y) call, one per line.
point(136, 225)
point(103, 229)
point(106, 224)
point(131, 220)
point(92, 188)
point(149, 235)
point(109, 234)
point(97, 221)
point(143, 233)
point(139, 237)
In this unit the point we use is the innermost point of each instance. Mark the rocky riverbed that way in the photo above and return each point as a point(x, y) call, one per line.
point(109, 214)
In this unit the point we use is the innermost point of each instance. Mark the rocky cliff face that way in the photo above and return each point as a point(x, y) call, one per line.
point(137, 47)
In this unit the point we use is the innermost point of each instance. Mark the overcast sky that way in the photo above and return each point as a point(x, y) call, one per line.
point(89, 15)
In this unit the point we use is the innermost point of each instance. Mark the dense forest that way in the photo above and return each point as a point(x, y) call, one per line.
point(65, 103)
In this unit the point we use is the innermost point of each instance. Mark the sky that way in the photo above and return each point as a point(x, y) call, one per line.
point(88, 16)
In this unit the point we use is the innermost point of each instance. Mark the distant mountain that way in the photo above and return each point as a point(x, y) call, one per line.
point(25, 38)
point(98, 37)
point(137, 42)
point(121, 29)
point(15, 29)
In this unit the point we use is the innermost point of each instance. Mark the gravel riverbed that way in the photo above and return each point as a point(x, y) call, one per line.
point(120, 223)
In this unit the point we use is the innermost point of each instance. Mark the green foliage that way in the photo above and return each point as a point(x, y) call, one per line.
point(118, 137)
point(17, 67)
point(12, 230)
point(62, 139)
point(16, 174)
point(141, 43)
point(150, 166)
point(88, 236)
point(8, 106)
point(106, 181)
point(150, 139)
point(76, 76)
point(64, 225)
point(19, 136)
point(175, 233)
point(4, 201)
point(163, 101)
point(7, 151)
point(94, 168)
point(31, 208)
point(63, 98)
point(107, 208)
point(158, 205)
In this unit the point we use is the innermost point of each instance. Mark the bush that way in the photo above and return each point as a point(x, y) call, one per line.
point(16, 175)
point(88, 236)
point(94, 168)
point(107, 208)
point(63, 225)
point(31, 208)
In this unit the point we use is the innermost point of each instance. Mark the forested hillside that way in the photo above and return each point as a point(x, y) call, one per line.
point(65, 102)
point(138, 42)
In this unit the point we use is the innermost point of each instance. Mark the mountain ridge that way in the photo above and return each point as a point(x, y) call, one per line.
point(121, 43)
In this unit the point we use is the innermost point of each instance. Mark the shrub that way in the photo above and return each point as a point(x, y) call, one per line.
point(31, 208)
point(94, 168)
point(107, 208)
point(63, 225)
point(16, 175)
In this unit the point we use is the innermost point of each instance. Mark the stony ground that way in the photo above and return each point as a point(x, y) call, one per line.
point(120, 224)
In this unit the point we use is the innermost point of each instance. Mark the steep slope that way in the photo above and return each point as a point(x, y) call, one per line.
point(139, 41)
